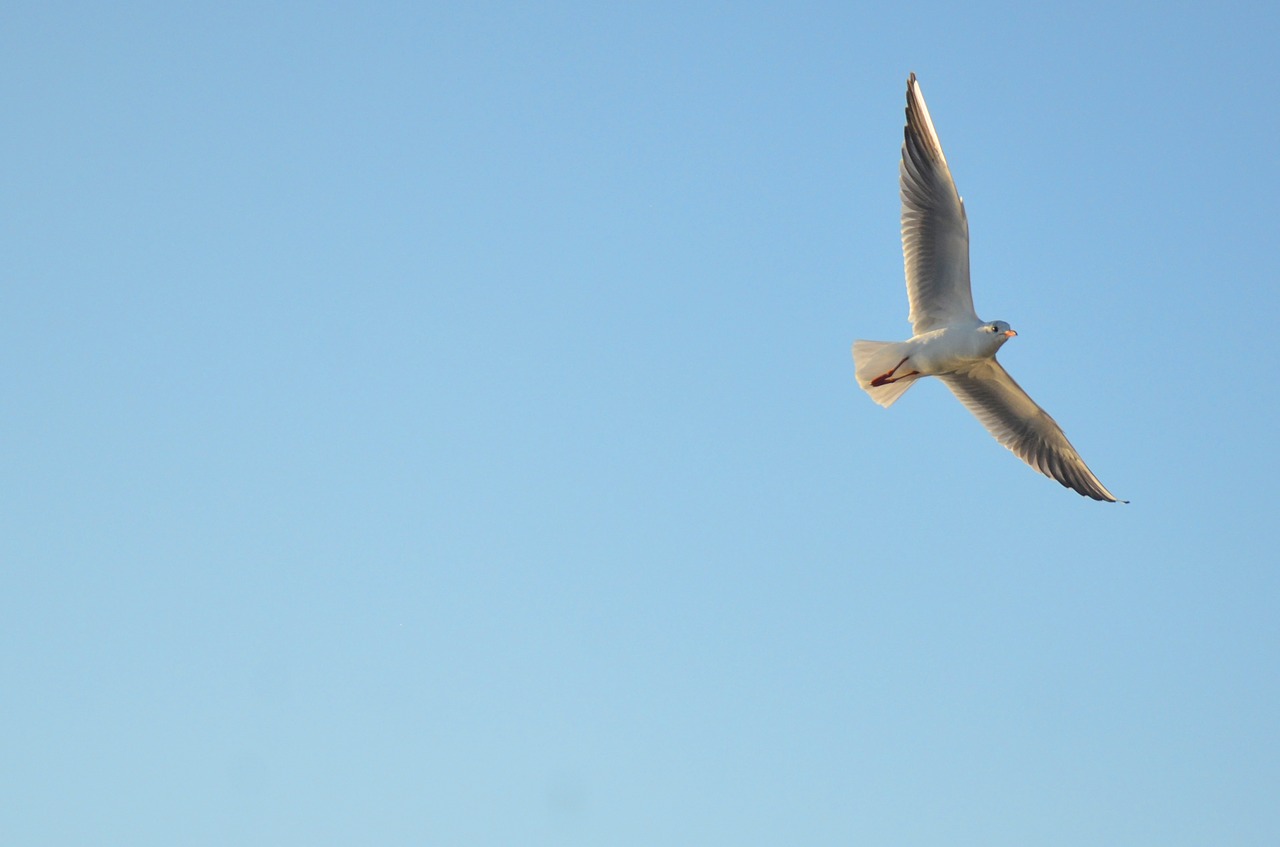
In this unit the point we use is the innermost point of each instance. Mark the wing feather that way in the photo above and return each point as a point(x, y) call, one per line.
point(1015, 420)
point(935, 229)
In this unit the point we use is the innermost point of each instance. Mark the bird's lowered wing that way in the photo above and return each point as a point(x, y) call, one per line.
point(988, 391)
point(935, 230)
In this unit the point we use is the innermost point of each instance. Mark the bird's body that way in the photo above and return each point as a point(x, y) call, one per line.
point(950, 348)
point(949, 341)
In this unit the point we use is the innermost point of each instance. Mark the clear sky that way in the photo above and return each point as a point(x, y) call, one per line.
point(434, 424)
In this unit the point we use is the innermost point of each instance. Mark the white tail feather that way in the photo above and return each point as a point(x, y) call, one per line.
point(875, 358)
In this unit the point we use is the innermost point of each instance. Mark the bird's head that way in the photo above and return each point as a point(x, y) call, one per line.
point(1000, 329)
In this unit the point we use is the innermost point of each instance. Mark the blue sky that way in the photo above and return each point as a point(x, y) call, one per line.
point(435, 424)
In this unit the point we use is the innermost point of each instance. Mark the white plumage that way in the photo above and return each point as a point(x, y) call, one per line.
point(949, 341)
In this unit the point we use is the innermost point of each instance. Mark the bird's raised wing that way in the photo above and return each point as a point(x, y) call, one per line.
point(988, 391)
point(935, 230)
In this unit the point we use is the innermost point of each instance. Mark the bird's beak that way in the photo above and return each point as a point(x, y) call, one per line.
point(1009, 333)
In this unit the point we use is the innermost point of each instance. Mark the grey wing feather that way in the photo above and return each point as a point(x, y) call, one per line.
point(1015, 420)
point(935, 230)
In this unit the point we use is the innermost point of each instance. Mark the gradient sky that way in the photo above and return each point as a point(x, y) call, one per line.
point(434, 424)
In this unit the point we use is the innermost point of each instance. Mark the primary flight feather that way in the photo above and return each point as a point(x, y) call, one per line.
point(949, 340)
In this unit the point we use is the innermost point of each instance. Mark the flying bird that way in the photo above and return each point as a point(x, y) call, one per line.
point(948, 339)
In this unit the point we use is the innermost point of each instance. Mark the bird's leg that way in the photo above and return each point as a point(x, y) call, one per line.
point(896, 378)
point(889, 378)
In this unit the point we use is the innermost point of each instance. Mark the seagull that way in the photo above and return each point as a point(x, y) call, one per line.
point(948, 339)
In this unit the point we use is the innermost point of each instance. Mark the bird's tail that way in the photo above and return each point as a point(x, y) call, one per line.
point(876, 358)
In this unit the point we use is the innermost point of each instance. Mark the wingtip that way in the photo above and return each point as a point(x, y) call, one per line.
point(1101, 494)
